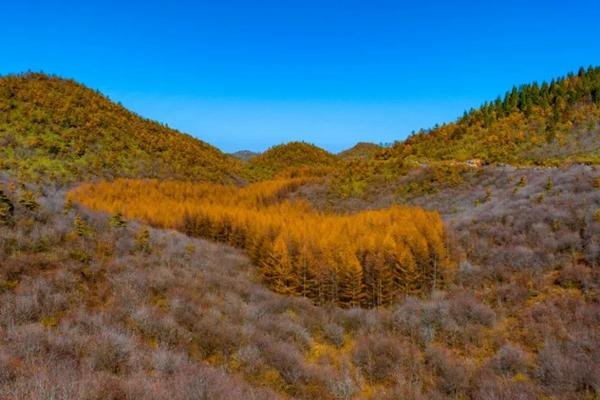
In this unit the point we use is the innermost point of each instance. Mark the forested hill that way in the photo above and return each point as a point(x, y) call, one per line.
point(360, 150)
point(290, 157)
point(547, 123)
point(59, 130)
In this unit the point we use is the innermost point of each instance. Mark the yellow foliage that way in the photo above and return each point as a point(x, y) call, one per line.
point(271, 378)
point(364, 259)
point(50, 322)
point(8, 285)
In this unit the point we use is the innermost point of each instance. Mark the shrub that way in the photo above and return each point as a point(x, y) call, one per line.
point(8, 368)
point(249, 356)
point(379, 357)
point(509, 360)
point(466, 309)
point(489, 386)
point(570, 367)
point(454, 374)
point(110, 354)
point(342, 389)
point(575, 276)
point(168, 362)
point(334, 333)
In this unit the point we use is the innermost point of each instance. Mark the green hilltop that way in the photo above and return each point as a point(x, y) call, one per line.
point(290, 157)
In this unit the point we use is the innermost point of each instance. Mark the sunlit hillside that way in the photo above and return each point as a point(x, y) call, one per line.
point(360, 150)
point(137, 262)
point(548, 124)
point(290, 158)
point(59, 130)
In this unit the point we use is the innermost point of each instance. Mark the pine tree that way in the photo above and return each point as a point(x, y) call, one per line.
point(28, 200)
point(142, 240)
point(68, 205)
point(407, 276)
point(82, 229)
point(117, 221)
point(307, 279)
point(549, 184)
point(377, 278)
point(351, 292)
point(6, 208)
point(278, 270)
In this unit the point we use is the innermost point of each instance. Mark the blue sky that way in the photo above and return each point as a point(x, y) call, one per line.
point(248, 75)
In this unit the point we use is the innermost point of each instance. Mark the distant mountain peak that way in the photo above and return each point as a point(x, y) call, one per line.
point(244, 155)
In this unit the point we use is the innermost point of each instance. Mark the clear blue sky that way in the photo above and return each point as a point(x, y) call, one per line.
point(248, 75)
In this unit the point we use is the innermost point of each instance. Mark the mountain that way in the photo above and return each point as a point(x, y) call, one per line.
point(360, 150)
point(549, 123)
point(244, 155)
point(59, 130)
point(492, 293)
point(289, 157)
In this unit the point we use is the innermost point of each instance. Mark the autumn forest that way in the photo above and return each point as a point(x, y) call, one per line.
point(364, 259)
point(138, 262)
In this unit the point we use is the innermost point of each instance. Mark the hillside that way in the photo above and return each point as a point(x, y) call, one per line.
point(407, 274)
point(549, 123)
point(289, 157)
point(100, 307)
point(59, 130)
point(360, 150)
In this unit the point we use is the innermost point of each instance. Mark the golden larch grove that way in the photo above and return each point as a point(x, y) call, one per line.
point(367, 259)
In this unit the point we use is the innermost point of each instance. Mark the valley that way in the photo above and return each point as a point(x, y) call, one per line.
point(139, 262)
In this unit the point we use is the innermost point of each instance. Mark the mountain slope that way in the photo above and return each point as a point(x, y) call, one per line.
point(288, 157)
point(96, 307)
point(360, 150)
point(532, 124)
point(57, 129)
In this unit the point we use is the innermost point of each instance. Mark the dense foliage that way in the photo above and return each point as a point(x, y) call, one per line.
point(366, 259)
point(544, 123)
point(59, 130)
point(289, 158)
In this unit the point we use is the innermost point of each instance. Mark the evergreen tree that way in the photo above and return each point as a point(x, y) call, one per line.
point(117, 221)
point(82, 229)
point(28, 200)
point(142, 240)
point(6, 208)
point(351, 292)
